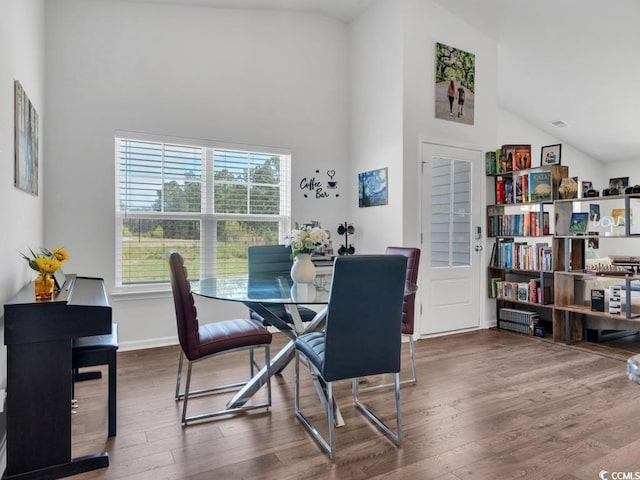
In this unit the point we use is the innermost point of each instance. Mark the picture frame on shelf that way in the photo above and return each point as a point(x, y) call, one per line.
point(551, 155)
point(619, 184)
point(579, 223)
point(518, 157)
point(594, 212)
point(585, 185)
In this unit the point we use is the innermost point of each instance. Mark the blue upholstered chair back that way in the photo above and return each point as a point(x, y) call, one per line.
point(269, 259)
point(363, 334)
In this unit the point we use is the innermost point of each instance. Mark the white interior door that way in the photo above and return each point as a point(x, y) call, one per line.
point(451, 242)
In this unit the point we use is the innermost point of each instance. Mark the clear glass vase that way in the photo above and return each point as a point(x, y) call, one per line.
point(43, 286)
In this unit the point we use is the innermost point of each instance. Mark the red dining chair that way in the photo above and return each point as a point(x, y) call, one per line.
point(408, 310)
point(409, 304)
point(199, 342)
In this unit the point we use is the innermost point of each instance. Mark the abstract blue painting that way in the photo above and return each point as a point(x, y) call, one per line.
point(372, 188)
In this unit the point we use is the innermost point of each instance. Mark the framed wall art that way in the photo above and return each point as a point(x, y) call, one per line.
point(372, 188)
point(455, 84)
point(550, 155)
point(26, 142)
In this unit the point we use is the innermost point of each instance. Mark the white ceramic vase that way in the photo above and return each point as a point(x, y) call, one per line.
point(303, 269)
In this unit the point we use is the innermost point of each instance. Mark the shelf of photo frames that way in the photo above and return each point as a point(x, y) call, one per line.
point(597, 217)
point(585, 222)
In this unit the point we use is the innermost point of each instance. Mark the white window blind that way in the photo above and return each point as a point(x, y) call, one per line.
point(207, 201)
point(450, 213)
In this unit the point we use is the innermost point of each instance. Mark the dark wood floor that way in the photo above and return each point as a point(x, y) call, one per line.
point(488, 405)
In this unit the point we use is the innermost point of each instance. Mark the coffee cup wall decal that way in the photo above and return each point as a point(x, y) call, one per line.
point(313, 187)
point(331, 183)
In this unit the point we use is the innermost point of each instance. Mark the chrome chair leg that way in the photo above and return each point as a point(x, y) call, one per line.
point(179, 376)
point(414, 378)
point(328, 447)
point(229, 387)
point(397, 435)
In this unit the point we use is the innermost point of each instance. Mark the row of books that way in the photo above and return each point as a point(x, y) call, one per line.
point(518, 225)
point(518, 320)
point(531, 291)
point(508, 158)
point(534, 186)
point(522, 256)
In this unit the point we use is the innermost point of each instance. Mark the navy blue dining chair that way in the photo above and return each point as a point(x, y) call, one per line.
point(362, 337)
point(274, 260)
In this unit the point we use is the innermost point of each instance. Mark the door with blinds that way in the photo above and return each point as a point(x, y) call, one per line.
point(450, 286)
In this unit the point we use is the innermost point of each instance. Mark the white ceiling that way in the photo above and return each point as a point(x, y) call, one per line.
point(572, 60)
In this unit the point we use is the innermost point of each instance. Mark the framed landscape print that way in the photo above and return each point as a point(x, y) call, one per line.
point(26, 142)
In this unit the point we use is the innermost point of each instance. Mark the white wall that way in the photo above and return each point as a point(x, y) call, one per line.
point(426, 23)
point(21, 217)
point(243, 76)
point(376, 127)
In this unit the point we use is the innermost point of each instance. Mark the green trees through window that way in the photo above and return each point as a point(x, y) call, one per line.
point(205, 202)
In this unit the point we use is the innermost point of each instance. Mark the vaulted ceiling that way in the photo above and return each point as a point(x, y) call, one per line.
point(574, 61)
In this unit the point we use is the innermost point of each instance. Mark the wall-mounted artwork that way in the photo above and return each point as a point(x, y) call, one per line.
point(455, 84)
point(372, 188)
point(26, 142)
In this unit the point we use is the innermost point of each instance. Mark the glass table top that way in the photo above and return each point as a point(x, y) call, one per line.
point(270, 288)
point(267, 288)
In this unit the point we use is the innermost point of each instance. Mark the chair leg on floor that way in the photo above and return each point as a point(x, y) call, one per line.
point(329, 447)
point(179, 376)
point(414, 378)
point(220, 388)
point(395, 436)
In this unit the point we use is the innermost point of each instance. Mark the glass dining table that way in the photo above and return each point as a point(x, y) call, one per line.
point(261, 293)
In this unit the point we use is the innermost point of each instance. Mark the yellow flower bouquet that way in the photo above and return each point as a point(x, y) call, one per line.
point(46, 263)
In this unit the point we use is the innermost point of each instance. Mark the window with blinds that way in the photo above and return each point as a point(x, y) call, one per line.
point(207, 202)
point(450, 213)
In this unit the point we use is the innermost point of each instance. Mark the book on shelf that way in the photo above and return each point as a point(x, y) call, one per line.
point(523, 291)
point(522, 256)
point(518, 156)
point(597, 300)
point(499, 190)
point(526, 292)
point(540, 187)
point(579, 222)
point(490, 162)
point(516, 225)
point(494, 286)
point(615, 299)
point(508, 191)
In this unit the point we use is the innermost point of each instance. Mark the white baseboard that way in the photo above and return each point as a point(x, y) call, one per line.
point(150, 343)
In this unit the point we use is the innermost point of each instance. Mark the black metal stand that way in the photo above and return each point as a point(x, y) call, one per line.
point(346, 229)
